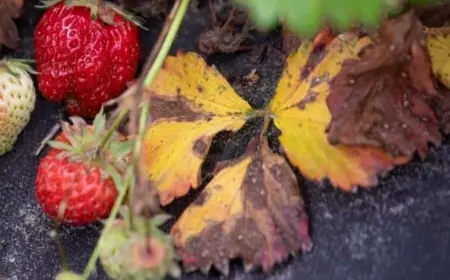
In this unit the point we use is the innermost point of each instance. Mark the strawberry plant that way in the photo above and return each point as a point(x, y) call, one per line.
point(349, 106)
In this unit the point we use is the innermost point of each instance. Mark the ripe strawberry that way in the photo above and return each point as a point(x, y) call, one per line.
point(76, 180)
point(84, 61)
point(135, 254)
point(17, 101)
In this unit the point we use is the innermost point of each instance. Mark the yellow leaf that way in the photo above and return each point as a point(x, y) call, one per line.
point(251, 209)
point(301, 113)
point(438, 43)
point(191, 102)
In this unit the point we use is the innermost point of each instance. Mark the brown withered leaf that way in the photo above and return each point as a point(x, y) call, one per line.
point(381, 99)
point(9, 36)
point(252, 209)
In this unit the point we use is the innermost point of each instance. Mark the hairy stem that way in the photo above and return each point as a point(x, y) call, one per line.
point(109, 222)
point(148, 75)
point(151, 69)
point(117, 122)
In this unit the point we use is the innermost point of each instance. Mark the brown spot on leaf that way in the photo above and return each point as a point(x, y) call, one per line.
point(201, 198)
point(254, 188)
point(374, 103)
point(200, 88)
point(200, 147)
point(310, 97)
point(177, 108)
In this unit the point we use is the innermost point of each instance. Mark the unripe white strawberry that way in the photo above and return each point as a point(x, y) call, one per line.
point(17, 101)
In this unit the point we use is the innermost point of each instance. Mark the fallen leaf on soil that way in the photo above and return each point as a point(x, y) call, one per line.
point(438, 43)
point(251, 209)
point(380, 99)
point(191, 102)
point(9, 10)
point(300, 112)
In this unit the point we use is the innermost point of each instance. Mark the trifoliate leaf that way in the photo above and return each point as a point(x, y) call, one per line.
point(191, 103)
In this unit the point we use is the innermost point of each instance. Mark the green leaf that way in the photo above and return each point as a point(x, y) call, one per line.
point(303, 17)
point(122, 148)
point(160, 219)
point(60, 145)
point(115, 176)
point(265, 13)
point(343, 16)
point(371, 14)
point(99, 123)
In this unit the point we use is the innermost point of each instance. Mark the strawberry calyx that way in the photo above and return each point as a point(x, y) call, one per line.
point(94, 146)
point(12, 65)
point(99, 9)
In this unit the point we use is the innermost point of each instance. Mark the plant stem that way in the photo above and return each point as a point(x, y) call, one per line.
point(123, 114)
point(180, 9)
point(109, 222)
point(151, 69)
point(169, 39)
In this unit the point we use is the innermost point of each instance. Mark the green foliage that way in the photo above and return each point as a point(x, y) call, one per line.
point(306, 17)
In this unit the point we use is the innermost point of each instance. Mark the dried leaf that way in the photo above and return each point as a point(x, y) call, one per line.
point(191, 102)
point(9, 36)
point(438, 43)
point(380, 99)
point(300, 112)
point(251, 209)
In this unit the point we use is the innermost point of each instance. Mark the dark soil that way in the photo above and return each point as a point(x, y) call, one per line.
point(399, 230)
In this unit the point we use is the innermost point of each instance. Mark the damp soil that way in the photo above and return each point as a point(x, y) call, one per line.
point(399, 230)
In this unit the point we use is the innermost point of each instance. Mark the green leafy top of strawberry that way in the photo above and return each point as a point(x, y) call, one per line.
point(11, 66)
point(99, 9)
point(94, 146)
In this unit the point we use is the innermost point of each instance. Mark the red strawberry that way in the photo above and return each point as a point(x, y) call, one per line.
point(74, 180)
point(85, 61)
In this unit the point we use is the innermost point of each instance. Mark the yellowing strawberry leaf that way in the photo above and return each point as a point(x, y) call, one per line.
point(9, 36)
point(191, 102)
point(438, 43)
point(251, 209)
point(300, 112)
